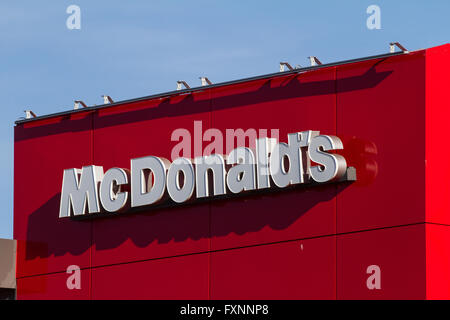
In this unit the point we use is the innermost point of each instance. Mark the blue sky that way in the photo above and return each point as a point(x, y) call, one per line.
point(129, 49)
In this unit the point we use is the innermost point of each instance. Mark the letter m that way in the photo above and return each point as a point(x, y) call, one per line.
point(240, 135)
point(80, 191)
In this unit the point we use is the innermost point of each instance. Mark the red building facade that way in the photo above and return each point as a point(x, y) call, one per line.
point(390, 227)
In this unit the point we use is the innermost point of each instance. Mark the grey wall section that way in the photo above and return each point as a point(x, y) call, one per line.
point(7, 264)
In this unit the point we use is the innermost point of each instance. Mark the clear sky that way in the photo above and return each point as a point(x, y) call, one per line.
point(129, 49)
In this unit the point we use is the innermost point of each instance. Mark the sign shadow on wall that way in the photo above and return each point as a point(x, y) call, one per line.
point(251, 213)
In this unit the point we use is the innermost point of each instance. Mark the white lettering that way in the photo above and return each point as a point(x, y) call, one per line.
point(243, 169)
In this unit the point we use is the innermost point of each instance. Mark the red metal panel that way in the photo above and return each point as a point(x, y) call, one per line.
point(53, 287)
point(303, 269)
point(138, 130)
point(437, 153)
point(290, 104)
point(184, 277)
point(399, 253)
point(438, 261)
point(42, 150)
point(381, 122)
